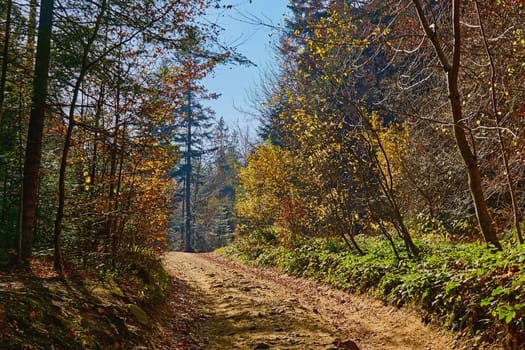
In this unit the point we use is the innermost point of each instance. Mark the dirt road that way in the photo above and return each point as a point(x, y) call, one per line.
point(250, 308)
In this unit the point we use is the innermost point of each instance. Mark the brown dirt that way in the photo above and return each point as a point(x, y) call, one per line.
point(251, 308)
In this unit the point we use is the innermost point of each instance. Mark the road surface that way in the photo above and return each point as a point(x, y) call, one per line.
point(251, 308)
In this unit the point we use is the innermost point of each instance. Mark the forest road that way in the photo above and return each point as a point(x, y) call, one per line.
point(251, 308)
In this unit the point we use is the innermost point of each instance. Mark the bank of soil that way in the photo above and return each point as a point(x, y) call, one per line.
point(249, 308)
point(40, 310)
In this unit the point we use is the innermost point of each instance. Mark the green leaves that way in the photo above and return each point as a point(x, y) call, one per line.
point(505, 312)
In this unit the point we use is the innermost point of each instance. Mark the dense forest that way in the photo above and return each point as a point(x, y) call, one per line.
point(390, 155)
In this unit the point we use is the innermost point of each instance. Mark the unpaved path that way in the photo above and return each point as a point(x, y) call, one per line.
point(250, 308)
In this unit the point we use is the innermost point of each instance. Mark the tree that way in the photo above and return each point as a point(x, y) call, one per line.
point(85, 66)
point(35, 131)
point(187, 180)
point(264, 184)
point(322, 104)
point(195, 122)
point(517, 215)
point(451, 67)
point(215, 214)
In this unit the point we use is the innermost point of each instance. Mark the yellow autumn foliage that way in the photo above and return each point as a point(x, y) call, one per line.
point(390, 142)
point(263, 184)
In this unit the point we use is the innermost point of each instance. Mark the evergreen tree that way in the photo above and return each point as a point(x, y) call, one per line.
point(213, 183)
point(193, 131)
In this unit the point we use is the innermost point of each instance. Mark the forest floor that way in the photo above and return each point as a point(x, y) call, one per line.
point(243, 307)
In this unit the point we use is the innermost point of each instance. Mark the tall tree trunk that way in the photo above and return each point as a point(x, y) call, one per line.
point(33, 153)
point(486, 224)
point(187, 181)
point(183, 215)
point(61, 183)
point(113, 197)
point(197, 232)
point(120, 219)
point(5, 52)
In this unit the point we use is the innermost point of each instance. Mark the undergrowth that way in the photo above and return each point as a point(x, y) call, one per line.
point(466, 287)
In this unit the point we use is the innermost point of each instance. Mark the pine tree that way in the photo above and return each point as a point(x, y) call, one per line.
point(193, 124)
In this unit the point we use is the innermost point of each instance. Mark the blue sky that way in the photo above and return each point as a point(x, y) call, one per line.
point(237, 83)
